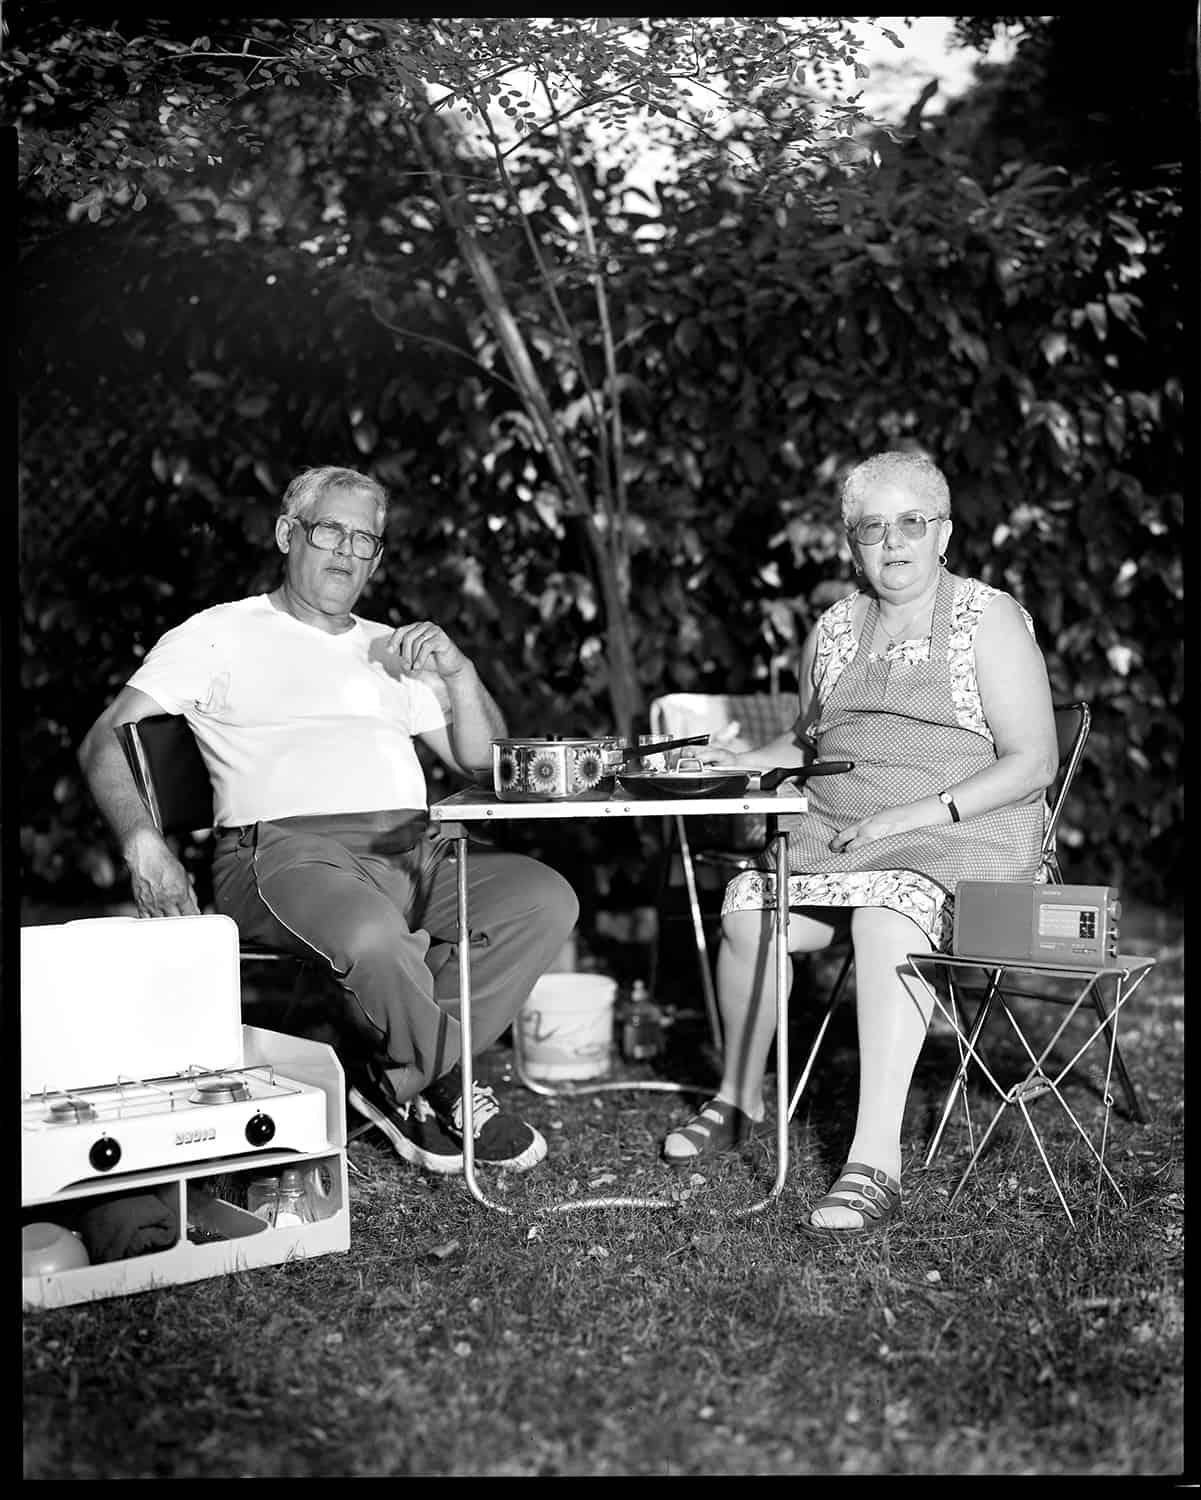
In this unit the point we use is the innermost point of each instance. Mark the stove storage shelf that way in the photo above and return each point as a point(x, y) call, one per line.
point(214, 1234)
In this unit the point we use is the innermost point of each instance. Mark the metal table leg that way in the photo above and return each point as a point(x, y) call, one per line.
point(779, 842)
point(698, 935)
point(458, 832)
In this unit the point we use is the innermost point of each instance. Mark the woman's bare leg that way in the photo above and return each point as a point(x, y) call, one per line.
point(893, 1013)
point(746, 996)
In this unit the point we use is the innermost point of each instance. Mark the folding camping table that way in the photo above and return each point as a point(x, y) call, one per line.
point(457, 812)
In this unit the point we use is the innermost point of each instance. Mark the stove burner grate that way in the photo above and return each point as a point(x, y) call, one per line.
point(220, 1091)
point(70, 1112)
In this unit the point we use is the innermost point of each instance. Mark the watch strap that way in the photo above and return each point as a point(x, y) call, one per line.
point(950, 802)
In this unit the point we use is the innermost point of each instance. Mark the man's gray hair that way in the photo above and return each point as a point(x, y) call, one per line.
point(311, 486)
point(914, 472)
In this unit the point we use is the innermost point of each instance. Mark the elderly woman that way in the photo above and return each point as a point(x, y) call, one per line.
point(933, 686)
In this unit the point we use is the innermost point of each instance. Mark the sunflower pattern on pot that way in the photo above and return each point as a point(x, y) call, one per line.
point(588, 769)
point(546, 772)
point(507, 774)
point(541, 770)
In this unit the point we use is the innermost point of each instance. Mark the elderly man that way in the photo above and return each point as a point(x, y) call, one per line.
point(306, 715)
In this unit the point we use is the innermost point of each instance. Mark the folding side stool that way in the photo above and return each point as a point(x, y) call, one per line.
point(1085, 985)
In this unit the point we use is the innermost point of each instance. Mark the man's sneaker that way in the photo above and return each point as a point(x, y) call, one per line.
point(501, 1140)
point(412, 1127)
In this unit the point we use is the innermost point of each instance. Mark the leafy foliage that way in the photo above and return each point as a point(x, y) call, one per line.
point(302, 294)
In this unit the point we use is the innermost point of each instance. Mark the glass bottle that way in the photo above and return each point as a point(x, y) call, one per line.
point(262, 1196)
point(293, 1205)
point(641, 1026)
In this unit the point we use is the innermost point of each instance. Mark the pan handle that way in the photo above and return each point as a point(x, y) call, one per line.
point(770, 780)
point(636, 753)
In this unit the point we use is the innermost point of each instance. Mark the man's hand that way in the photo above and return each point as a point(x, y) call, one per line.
point(426, 647)
point(161, 885)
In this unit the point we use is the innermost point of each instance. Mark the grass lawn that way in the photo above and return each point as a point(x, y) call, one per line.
point(986, 1337)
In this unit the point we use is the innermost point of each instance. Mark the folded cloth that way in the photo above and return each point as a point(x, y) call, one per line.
point(132, 1224)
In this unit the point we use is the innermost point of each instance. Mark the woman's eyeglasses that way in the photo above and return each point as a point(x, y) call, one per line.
point(873, 529)
point(328, 536)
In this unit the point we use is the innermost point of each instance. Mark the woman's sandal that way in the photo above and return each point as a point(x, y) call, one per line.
point(878, 1200)
point(717, 1128)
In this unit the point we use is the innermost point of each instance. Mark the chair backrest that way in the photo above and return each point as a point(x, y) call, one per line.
point(737, 721)
point(173, 780)
point(740, 721)
point(1072, 724)
point(169, 771)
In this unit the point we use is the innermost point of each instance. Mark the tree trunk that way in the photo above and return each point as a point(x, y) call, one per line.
point(625, 691)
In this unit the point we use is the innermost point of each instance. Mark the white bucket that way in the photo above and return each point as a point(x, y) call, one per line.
point(565, 1027)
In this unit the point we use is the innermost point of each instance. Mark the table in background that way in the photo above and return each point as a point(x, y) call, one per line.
point(456, 812)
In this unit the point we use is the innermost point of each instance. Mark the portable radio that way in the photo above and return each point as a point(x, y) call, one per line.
point(1054, 923)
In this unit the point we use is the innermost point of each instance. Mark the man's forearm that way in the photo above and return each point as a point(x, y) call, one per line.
point(159, 883)
point(112, 787)
point(477, 720)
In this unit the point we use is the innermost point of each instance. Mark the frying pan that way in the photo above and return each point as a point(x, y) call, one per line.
point(719, 783)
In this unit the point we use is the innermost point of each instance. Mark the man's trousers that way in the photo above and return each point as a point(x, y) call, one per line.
point(386, 924)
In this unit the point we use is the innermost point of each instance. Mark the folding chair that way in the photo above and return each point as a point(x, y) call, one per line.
point(173, 781)
point(729, 843)
point(1072, 725)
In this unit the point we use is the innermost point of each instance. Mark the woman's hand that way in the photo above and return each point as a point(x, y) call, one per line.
point(711, 755)
point(879, 826)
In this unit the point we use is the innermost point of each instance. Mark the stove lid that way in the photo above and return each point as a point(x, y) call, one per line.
point(128, 997)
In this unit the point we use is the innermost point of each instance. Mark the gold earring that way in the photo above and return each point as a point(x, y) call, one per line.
point(942, 561)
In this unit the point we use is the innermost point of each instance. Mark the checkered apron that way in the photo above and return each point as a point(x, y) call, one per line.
point(895, 715)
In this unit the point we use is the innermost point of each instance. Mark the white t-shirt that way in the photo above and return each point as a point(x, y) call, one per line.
point(291, 720)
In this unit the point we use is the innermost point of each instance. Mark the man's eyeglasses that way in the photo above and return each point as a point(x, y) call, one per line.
point(328, 536)
point(873, 529)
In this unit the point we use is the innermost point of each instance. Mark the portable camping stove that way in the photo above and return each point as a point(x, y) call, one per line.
point(71, 1135)
point(111, 1009)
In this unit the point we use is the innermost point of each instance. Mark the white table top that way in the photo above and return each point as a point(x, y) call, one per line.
point(473, 803)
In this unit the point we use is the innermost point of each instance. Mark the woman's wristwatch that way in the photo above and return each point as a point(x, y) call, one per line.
point(949, 801)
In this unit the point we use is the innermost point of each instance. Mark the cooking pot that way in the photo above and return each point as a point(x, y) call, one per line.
point(717, 782)
point(548, 770)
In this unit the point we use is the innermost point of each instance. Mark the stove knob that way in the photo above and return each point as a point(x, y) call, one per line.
point(259, 1129)
point(105, 1154)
